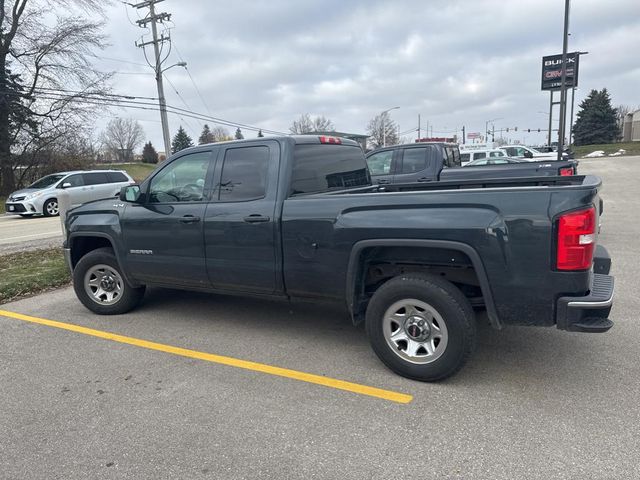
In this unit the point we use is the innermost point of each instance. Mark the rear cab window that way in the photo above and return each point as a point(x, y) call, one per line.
point(319, 168)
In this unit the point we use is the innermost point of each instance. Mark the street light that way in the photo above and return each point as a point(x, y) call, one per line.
point(163, 104)
point(384, 131)
point(486, 128)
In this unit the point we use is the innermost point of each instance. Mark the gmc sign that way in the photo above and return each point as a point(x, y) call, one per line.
point(552, 71)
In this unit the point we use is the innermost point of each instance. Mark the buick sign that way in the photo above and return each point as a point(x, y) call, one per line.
point(552, 71)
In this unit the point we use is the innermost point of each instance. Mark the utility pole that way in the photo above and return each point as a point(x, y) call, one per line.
point(153, 19)
point(419, 127)
point(563, 83)
point(464, 135)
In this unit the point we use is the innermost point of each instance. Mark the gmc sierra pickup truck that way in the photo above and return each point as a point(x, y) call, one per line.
point(298, 218)
point(432, 162)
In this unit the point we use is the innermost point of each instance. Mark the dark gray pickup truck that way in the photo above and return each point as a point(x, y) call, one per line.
point(298, 218)
point(432, 162)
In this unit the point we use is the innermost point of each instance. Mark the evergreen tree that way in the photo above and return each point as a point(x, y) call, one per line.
point(206, 136)
point(181, 141)
point(149, 154)
point(260, 134)
point(239, 135)
point(597, 121)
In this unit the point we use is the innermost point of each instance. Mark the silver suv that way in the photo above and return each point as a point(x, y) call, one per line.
point(41, 198)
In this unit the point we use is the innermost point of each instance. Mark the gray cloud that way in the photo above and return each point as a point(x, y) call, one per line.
point(454, 62)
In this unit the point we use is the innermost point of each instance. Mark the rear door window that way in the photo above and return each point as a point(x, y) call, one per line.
point(478, 155)
point(244, 174)
point(414, 160)
point(97, 178)
point(117, 177)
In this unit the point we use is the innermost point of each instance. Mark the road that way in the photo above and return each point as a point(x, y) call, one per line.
point(532, 404)
point(17, 233)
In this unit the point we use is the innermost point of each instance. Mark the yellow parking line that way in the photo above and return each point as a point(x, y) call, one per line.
point(229, 361)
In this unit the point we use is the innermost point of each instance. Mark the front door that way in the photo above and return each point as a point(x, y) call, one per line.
point(164, 234)
point(240, 223)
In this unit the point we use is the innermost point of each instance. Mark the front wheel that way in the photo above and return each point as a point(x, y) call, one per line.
point(100, 285)
point(421, 327)
point(51, 208)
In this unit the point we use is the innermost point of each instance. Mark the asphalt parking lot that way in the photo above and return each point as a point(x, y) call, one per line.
point(533, 403)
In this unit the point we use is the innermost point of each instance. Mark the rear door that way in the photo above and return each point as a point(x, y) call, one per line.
point(413, 165)
point(240, 224)
point(97, 185)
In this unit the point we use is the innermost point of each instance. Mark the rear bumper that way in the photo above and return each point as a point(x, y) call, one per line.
point(590, 313)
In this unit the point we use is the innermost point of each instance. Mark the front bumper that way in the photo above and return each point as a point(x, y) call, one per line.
point(21, 208)
point(590, 313)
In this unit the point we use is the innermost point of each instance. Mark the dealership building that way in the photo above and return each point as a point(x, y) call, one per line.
point(631, 127)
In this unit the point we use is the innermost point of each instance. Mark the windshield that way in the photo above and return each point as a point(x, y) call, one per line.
point(46, 181)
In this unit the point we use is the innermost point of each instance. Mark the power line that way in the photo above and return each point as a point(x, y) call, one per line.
point(132, 102)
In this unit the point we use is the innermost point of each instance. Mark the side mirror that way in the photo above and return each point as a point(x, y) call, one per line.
point(65, 185)
point(130, 193)
point(528, 154)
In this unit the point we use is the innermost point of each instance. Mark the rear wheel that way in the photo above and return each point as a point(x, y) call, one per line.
point(100, 285)
point(51, 208)
point(421, 327)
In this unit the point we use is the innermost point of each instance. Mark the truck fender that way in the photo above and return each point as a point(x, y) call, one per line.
point(114, 245)
point(354, 269)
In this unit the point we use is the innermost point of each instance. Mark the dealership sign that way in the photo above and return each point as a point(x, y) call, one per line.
point(552, 71)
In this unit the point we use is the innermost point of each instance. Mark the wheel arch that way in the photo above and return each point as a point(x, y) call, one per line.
point(356, 272)
point(85, 242)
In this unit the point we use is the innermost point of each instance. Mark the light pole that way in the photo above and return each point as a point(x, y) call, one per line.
point(384, 131)
point(163, 106)
point(486, 127)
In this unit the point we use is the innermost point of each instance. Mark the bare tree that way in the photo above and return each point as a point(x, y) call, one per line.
point(220, 134)
point(306, 124)
point(382, 131)
point(121, 137)
point(45, 69)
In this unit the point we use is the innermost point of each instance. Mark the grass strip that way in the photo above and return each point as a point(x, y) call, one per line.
point(632, 148)
point(27, 273)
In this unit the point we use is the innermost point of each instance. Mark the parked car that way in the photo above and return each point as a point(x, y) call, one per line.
point(41, 197)
point(434, 162)
point(520, 151)
point(297, 218)
point(494, 161)
point(467, 156)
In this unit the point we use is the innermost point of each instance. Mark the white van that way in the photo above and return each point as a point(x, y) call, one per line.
point(468, 155)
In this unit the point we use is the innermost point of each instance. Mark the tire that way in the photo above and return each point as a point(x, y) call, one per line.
point(100, 285)
point(51, 208)
point(429, 351)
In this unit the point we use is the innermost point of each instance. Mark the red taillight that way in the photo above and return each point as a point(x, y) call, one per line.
point(566, 171)
point(576, 239)
point(334, 140)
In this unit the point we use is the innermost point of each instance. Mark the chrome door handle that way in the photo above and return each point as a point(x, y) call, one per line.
point(256, 219)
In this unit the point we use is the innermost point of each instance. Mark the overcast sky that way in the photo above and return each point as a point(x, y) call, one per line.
point(455, 63)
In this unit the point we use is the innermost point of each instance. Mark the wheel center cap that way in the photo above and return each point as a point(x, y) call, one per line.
point(108, 283)
point(417, 328)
